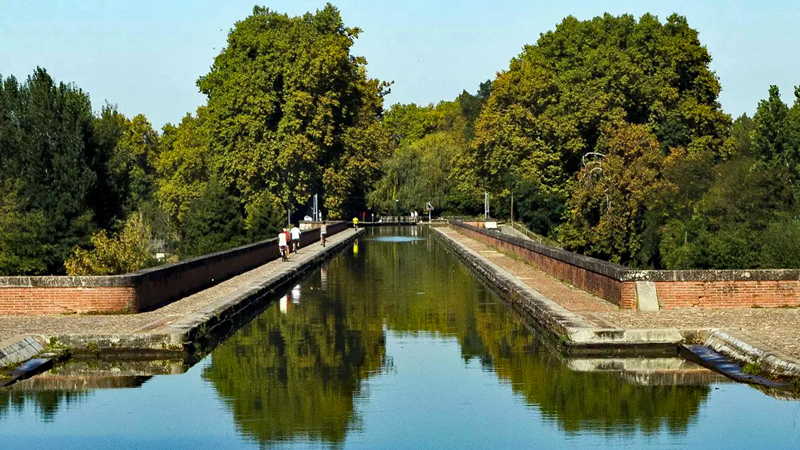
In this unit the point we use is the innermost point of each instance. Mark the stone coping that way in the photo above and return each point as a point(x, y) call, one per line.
point(135, 278)
point(623, 273)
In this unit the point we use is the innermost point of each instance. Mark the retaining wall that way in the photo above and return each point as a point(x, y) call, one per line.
point(674, 288)
point(138, 291)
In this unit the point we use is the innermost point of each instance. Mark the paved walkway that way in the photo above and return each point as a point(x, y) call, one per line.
point(776, 327)
point(11, 326)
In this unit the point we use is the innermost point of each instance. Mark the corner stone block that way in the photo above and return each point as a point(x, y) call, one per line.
point(646, 296)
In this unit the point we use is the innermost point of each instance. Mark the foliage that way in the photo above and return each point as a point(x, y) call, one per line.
point(127, 252)
point(608, 207)
point(213, 222)
point(22, 232)
point(183, 167)
point(417, 174)
point(781, 244)
point(427, 142)
point(265, 217)
point(287, 108)
point(47, 152)
point(550, 107)
point(744, 218)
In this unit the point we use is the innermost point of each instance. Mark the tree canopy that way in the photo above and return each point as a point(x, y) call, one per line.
point(290, 111)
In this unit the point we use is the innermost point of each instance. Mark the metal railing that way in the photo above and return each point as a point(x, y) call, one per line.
point(534, 236)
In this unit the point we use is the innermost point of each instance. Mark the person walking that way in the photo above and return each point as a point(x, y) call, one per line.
point(355, 223)
point(282, 245)
point(295, 232)
point(323, 233)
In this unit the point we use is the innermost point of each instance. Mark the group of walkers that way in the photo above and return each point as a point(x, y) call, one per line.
point(292, 237)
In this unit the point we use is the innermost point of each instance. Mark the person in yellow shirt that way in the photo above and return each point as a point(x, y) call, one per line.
point(355, 223)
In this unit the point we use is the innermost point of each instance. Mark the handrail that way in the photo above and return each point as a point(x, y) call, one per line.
point(534, 236)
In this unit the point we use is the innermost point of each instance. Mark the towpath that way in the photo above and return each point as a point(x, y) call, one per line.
point(775, 327)
point(141, 323)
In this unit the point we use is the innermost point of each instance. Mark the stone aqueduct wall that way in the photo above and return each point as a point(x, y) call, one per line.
point(674, 288)
point(138, 291)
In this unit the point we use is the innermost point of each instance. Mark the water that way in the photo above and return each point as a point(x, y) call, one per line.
point(393, 344)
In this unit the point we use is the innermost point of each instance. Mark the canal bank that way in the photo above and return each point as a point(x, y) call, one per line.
point(176, 331)
point(585, 325)
point(393, 344)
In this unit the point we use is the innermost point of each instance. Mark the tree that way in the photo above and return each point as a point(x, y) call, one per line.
point(124, 253)
point(22, 234)
point(608, 207)
point(287, 103)
point(213, 222)
point(418, 173)
point(47, 149)
point(265, 217)
point(183, 167)
point(550, 107)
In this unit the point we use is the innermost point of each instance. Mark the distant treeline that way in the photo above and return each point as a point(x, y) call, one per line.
point(607, 133)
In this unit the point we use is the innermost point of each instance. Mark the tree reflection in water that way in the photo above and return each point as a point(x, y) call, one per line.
point(296, 370)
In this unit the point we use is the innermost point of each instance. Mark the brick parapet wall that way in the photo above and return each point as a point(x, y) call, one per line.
point(599, 284)
point(675, 288)
point(139, 291)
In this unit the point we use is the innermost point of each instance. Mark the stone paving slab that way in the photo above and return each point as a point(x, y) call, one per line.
point(778, 328)
point(141, 324)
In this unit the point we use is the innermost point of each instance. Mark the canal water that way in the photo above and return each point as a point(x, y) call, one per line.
point(393, 344)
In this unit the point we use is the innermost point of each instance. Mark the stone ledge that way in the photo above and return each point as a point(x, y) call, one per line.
point(743, 348)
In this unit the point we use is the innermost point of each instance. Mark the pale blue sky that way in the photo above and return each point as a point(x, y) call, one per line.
point(145, 56)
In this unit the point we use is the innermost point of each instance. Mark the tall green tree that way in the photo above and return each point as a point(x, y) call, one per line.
point(290, 109)
point(549, 109)
point(608, 207)
point(47, 150)
point(213, 222)
point(183, 167)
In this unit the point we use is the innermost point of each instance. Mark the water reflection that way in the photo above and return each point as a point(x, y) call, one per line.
point(297, 370)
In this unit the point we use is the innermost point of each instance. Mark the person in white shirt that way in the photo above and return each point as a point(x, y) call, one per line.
point(295, 232)
point(282, 245)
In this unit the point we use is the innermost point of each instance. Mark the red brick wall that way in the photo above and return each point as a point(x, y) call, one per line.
point(727, 294)
point(600, 285)
point(66, 300)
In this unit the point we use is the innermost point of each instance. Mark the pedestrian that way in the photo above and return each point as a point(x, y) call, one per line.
point(295, 232)
point(282, 245)
point(355, 223)
point(323, 232)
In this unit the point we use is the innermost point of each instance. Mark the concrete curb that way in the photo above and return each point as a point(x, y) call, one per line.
point(742, 348)
point(19, 349)
point(574, 333)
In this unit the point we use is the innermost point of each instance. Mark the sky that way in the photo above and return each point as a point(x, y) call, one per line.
point(145, 56)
